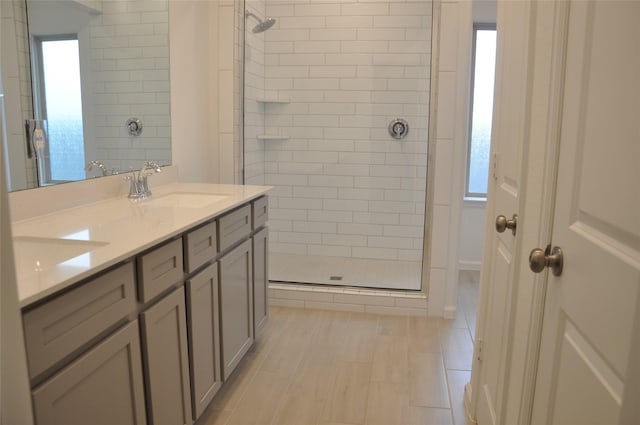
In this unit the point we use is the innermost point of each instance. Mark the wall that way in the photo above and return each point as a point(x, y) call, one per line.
point(344, 187)
point(471, 235)
point(17, 92)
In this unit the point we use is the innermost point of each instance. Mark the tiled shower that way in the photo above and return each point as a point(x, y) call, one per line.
point(321, 87)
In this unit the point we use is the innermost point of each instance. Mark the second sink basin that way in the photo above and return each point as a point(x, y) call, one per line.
point(185, 200)
point(39, 254)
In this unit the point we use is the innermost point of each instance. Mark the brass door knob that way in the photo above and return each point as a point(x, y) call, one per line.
point(503, 223)
point(539, 259)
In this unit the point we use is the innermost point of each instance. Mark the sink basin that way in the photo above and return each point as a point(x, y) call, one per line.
point(39, 254)
point(185, 200)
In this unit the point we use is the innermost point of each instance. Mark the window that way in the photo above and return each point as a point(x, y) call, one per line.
point(483, 72)
point(58, 100)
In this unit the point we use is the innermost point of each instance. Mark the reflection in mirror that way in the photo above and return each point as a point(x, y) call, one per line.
point(94, 65)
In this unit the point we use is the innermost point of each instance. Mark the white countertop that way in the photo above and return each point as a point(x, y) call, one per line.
point(116, 229)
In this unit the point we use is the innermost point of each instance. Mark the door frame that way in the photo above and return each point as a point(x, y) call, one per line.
point(543, 101)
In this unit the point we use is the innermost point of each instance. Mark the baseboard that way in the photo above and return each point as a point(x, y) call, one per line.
point(450, 312)
point(469, 265)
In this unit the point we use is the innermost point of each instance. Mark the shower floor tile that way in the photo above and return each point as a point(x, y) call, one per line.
point(358, 272)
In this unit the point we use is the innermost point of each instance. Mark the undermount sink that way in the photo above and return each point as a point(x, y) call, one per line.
point(185, 200)
point(39, 254)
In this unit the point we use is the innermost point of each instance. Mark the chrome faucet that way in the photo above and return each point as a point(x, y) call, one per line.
point(140, 188)
point(98, 164)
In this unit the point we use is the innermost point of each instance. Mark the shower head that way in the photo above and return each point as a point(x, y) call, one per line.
point(262, 25)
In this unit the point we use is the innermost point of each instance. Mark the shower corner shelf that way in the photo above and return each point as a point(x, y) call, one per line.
point(272, 100)
point(267, 137)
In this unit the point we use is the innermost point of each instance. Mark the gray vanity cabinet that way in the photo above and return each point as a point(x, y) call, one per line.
point(204, 337)
point(260, 241)
point(236, 306)
point(103, 386)
point(165, 350)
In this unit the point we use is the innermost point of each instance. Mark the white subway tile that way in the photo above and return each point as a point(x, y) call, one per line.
point(332, 181)
point(378, 182)
point(406, 21)
point(344, 240)
point(287, 179)
point(316, 84)
point(392, 207)
point(411, 8)
point(365, 9)
point(389, 70)
point(299, 238)
point(346, 169)
point(374, 253)
point(389, 242)
point(349, 21)
point(362, 59)
point(316, 192)
point(364, 194)
point(345, 205)
point(315, 227)
point(376, 218)
point(365, 46)
point(337, 216)
point(297, 168)
point(346, 133)
point(360, 229)
point(333, 34)
point(392, 170)
point(331, 146)
point(332, 71)
point(363, 83)
point(361, 158)
point(316, 9)
point(315, 156)
point(301, 22)
point(287, 214)
point(324, 46)
point(302, 59)
point(363, 299)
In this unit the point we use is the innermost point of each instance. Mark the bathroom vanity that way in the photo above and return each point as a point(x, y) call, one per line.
point(157, 305)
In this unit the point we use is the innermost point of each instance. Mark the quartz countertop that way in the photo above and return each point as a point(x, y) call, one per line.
point(114, 230)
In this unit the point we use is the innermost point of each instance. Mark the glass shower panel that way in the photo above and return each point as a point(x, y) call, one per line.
point(325, 84)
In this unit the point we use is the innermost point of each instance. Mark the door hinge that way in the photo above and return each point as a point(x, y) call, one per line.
point(479, 348)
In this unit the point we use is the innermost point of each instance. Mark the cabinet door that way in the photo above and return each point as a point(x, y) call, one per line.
point(104, 386)
point(236, 308)
point(166, 361)
point(204, 337)
point(260, 279)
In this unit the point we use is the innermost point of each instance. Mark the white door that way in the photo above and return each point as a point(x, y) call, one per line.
point(591, 310)
point(505, 198)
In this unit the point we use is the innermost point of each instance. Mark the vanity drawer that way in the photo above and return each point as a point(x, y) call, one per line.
point(260, 212)
point(65, 324)
point(199, 246)
point(233, 227)
point(160, 269)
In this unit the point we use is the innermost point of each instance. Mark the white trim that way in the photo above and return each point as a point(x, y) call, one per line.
point(450, 312)
point(469, 265)
point(337, 298)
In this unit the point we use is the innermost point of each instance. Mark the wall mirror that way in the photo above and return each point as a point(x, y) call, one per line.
point(93, 92)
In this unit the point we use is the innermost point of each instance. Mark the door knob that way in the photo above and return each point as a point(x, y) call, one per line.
point(503, 223)
point(539, 259)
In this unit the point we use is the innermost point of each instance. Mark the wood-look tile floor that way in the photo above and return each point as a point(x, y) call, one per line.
point(338, 368)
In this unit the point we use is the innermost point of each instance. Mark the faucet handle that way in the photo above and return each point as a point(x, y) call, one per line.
point(134, 187)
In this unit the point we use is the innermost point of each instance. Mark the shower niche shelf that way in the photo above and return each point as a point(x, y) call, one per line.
point(268, 99)
point(267, 137)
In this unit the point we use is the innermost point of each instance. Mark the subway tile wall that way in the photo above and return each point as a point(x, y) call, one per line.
point(129, 78)
point(344, 187)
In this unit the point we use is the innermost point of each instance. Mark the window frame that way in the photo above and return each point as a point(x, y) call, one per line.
point(476, 27)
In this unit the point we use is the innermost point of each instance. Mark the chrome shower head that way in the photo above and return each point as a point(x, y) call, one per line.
point(262, 25)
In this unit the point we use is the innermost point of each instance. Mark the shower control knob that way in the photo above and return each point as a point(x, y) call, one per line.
point(398, 128)
point(503, 223)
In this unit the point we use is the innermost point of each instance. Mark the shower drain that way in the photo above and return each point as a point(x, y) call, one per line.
point(335, 277)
